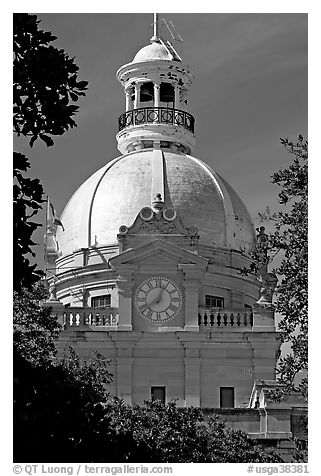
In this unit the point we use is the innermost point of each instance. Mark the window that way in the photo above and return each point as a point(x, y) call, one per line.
point(227, 397)
point(214, 301)
point(158, 393)
point(101, 301)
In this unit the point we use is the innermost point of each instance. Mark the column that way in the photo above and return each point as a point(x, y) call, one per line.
point(128, 100)
point(184, 98)
point(177, 104)
point(137, 96)
point(156, 94)
point(125, 283)
point(191, 285)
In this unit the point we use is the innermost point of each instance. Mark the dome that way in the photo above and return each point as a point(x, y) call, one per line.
point(115, 194)
point(153, 52)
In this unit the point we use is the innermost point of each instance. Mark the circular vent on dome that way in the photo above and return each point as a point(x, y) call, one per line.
point(169, 214)
point(146, 213)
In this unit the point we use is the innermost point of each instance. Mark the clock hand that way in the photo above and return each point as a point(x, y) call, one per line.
point(156, 299)
point(160, 296)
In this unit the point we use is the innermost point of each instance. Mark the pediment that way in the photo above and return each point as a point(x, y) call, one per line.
point(155, 250)
point(157, 221)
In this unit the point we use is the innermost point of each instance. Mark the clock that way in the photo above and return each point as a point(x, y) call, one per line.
point(158, 299)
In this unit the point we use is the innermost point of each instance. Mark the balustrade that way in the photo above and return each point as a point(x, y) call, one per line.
point(207, 318)
point(212, 318)
point(90, 317)
point(156, 115)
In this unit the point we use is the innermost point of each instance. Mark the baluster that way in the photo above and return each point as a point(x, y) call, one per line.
point(232, 319)
point(205, 319)
point(238, 319)
point(64, 321)
point(212, 319)
point(90, 319)
point(108, 320)
point(245, 319)
point(116, 319)
point(98, 319)
point(218, 320)
point(113, 320)
point(71, 319)
point(77, 319)
point(225, 319)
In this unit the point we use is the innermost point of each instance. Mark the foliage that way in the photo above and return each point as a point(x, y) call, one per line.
point(164, 433)
point(93, 376)
point(58, 402)
point(44, 83)
point(35, 329)
point(27, 199)
point(45, 86)
point(58, 409)
point(289, 241)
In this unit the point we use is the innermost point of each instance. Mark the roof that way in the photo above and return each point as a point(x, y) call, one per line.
point(153, 52)
point(115, 194)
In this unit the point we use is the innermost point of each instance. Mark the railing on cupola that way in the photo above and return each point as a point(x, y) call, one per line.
point(156, 115)
point(225, 318)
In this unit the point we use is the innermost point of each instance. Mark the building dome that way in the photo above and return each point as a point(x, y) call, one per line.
point(115, 194)
point(153, 52)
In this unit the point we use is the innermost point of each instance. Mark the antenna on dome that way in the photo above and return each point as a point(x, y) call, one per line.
point(155, 38)
point(174, 34)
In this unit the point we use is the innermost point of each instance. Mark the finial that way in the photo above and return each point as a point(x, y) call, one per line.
point(155, 37)
point(158, 202)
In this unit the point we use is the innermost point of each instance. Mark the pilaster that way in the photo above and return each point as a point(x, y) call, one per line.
point(191, 284)
point(236, 299)
point(125, 282)
point(124, 378)
point(192, 364)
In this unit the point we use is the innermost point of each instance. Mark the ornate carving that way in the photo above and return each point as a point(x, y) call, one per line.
point(158, 226)
point(159, 220)
point(53, 292)
point(268, 284)
point(262, 237)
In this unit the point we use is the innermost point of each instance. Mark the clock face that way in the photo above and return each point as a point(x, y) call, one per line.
point(158, 299)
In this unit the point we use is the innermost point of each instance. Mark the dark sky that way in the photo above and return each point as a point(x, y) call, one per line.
point(250, 89)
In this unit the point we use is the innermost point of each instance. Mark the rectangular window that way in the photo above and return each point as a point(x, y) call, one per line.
point(227, 397)
point(101, 301)
point(214, 301)
point(158, 393)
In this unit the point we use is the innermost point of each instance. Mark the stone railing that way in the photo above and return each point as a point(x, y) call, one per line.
point(221, 318)
point(79, 317)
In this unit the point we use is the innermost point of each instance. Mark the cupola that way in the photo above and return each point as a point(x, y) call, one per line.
point(156, 85)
